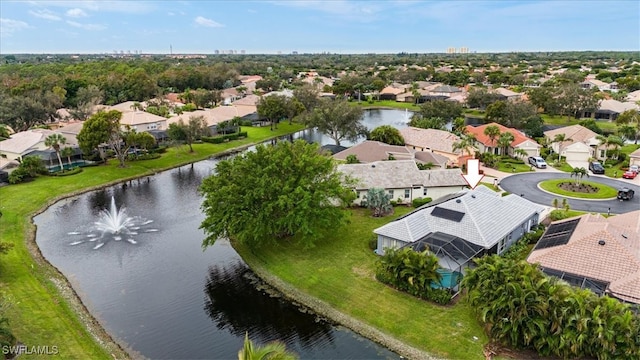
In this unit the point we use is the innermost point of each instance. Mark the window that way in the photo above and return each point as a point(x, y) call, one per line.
point(424, 191)
point(391, 194)
point(407, 193)
point(153, 126)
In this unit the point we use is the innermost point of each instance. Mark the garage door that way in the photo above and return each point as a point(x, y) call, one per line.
point(576, 156)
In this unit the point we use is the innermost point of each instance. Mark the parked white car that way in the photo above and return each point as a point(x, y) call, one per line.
point(538, 162)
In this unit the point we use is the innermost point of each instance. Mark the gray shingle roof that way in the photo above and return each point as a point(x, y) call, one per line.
point(488, 217)
point(397, 174)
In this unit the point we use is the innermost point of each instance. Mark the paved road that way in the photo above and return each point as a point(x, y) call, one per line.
point(527, 184)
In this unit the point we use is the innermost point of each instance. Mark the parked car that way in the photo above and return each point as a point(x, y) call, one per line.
point(629, 175)
point(634, 168)
point(538, 162)
point(596, 167)
point(625, 194)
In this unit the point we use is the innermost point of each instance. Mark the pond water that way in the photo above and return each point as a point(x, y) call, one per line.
point(153, 287)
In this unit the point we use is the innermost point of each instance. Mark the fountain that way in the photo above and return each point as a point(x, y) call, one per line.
point(114, 224)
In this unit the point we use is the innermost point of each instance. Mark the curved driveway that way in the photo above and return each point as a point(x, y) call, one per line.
point(527, 184)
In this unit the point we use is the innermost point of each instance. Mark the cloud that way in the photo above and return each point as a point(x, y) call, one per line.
point(10, 26)
point(45, 14)
point(202, 21)
point(90, 27)
point(76, 13)
point(130, 7)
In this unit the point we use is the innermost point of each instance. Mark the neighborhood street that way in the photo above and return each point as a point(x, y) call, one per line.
point(527, 184)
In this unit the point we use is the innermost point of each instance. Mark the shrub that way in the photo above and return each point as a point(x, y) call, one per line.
point(246, 123)
point(75, 170)
point(505, 193)
point(420, 201)
point(189, 107)
point(18, 175)
point(556, 215)
point(352, 159)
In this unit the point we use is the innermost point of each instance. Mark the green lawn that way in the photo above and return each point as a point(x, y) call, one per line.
point(386, 104)
point(616, 170)
point(563, 166)
point(509, 167)
point(39, 314)
point(340, 272)
point(562, 120)
point(604, 191)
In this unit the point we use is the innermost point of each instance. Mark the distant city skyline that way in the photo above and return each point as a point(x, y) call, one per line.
point(333, 26)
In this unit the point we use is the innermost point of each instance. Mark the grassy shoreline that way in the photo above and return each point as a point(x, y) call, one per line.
point(336, 280)
point(45, 309)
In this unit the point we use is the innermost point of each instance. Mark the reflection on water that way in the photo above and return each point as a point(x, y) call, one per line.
point(235, 303)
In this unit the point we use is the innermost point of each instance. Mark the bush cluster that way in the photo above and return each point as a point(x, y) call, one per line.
point(224, 138)
point(412, 272)
point(147, 156)
point(417, 202)
point(73, 171)
point(523, 308)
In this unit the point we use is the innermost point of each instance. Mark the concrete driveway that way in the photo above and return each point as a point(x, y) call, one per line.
point(579, 164)
point(527, 184)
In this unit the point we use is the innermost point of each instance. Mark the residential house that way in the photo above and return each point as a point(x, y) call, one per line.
point(445, 90)
point(610, 109)
point(230, 95)
point(521, 141)
point(634, 158)
point(594, 252)
point(580, 144)
point(462, 226)
point(216, 115)
point(25, 143)
point(143, 121)
point(592, 83)
point(391, 92)
point(402, 179)
point(371, 151)
point(433, 140)
point(507, 94)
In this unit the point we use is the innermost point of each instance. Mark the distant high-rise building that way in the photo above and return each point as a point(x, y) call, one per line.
point(216, 51)
point(464, 50)
point(242, 52)
point(451, 50)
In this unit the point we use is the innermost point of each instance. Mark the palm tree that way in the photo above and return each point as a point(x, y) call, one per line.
point(467, 141)
point(271, 351)
point(504, 142)
point(520, 152)
point(68, 153)
point(492, 131)
point(579, 173)
point(54, 141)
point(560, 139)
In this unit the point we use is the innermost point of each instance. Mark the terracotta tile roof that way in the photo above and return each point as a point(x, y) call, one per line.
point(216, 115)
point(433, 139)
point(478, 131)
point(617, 262)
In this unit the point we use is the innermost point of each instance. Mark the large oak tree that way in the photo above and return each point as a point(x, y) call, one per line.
point(338, 120)
point(288, 191)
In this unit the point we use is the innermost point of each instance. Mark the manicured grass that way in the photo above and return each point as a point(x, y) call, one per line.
point(340, 272)
point(509, 167)
point(563, 166)
point(40, 315)
point(604, 191)
point(616, 170)
point(562, 120)
point(386, 104)
point(490, 186)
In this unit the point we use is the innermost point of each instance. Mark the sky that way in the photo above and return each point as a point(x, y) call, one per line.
point(334, 26)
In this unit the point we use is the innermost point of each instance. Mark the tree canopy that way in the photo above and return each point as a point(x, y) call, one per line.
point(275, 193)
point(387, 134)
point(338, 120)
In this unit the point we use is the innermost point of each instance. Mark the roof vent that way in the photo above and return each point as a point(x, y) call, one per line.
point(458, 201)
point(601, 242)
point(473, 196)
point(624, 236)
point(373, 165)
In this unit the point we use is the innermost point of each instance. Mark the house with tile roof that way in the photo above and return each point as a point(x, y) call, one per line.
point(402, 179)
point(520, 141)
point(591, 251)
point(462, 226)
point(507, 94)
point(610, 109)
point(433, 140)
point(26, 142)
point(216, 115)
point(580, 145)
point(371, 151)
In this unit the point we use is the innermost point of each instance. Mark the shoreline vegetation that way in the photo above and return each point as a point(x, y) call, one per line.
point(45, 308)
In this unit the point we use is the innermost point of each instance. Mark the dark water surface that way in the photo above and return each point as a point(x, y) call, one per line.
point(158, 291)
